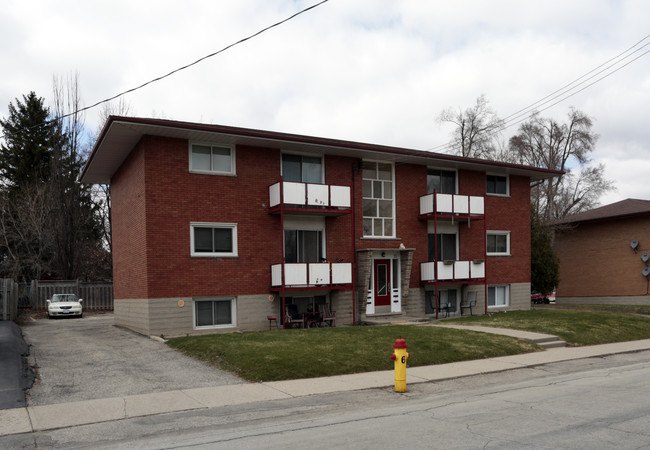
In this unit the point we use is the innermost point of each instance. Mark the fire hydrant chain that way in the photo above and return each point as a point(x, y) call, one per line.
point(400, 356)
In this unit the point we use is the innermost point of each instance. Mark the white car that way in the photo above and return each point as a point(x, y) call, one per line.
point(64, 305)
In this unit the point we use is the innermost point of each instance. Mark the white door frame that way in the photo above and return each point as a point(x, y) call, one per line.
point(396, 291)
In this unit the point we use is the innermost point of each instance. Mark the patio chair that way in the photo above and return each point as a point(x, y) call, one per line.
point(470, 302)
point(293, 317)
point(327, 316)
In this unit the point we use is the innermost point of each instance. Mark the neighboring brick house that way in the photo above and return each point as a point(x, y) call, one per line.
point(604, 253)
point(215, 228)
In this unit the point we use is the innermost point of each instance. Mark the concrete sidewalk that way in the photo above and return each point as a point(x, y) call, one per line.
point(47, 417)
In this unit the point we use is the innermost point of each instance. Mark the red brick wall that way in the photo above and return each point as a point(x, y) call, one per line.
point(340, 171)
point(596, 259)
point(128, 227)
point(174, 198)
point(510, 214)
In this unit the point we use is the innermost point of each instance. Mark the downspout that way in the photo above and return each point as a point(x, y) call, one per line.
point(282, 312)
point(485, 257)
point(435, 247)
point(354, 251)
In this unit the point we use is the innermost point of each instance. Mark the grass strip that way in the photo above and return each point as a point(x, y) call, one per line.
point(291, 354)
point(577, 327)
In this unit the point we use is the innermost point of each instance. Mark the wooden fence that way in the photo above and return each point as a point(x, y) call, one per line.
point(8, 299)
point(95, 295)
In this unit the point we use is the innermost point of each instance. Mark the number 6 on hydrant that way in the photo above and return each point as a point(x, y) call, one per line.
point(400, 356)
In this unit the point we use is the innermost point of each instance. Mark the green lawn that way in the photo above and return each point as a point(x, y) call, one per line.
point(577, 327)
point(290, 354)
point(316, 352)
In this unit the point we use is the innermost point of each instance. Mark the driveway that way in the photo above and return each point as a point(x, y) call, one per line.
point(90, 358)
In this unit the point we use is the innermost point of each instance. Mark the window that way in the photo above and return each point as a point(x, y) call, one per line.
point(497, 185)
point(213, 159)
point(302, 169)
point(213, 239)
point(498, 242)
point(446, 247)
point(378, 205)
point(441, 181)
point(498, 296)
point(302, 246)
point(215, 313)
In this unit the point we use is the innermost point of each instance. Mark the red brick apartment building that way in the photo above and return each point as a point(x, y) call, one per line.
point(605, 254)
point(215, 228)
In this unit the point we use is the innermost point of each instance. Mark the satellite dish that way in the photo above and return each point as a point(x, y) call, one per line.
point(634, 244)
point(645, 257)
point(646, 271)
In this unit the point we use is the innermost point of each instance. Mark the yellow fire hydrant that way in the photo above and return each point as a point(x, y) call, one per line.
point(400, 356)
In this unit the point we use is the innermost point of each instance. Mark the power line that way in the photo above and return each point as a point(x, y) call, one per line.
point(241, 41)
point(567, 91)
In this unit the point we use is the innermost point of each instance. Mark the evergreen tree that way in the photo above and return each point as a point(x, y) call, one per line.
point(29, 137)
point(544, 264)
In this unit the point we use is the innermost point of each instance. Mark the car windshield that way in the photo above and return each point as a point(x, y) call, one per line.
point(64, 298)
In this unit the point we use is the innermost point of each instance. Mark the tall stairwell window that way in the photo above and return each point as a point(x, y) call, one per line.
point(378, 204)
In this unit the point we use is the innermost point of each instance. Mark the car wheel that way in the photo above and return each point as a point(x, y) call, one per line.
point(49, 317)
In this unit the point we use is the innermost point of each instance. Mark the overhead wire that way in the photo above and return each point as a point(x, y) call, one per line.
point(565, 92)
point(241, 41)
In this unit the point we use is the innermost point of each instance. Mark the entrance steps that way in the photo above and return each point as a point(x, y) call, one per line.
point(549, 342)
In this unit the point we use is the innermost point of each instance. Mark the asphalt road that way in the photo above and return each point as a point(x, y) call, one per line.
point(15, 375)
point(590, 403)
point(89, 358)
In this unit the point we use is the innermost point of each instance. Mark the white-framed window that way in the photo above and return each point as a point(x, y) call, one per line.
point(214, 313)
point(497, 185)
point(498, 243)
point(378, 204)
point(213, 239)
point(215, 159)
point(498, 296)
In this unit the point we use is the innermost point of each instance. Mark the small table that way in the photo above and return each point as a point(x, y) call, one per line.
point(271, 319)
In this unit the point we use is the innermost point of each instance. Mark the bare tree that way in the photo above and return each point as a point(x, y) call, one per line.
point(102, 192)
point(76, 223)
point(475, 129)
point(26, 231)
point(544, 142)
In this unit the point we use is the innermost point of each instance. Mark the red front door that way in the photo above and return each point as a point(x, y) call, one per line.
point(382, 276)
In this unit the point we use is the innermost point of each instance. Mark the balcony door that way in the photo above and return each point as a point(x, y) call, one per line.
point(443, 247)
point(302, 169)
point(303, 246)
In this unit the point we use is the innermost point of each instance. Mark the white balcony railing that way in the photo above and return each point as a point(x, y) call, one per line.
point(452, 270)
point(311, 274)
point(309, 194)
point(452, 204)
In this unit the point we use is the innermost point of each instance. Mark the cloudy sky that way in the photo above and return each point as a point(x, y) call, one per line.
point(377, 71)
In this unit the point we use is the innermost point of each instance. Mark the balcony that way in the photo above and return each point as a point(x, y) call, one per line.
point(312, 275)
point(309, 198)
point(452, 206)
point(462, 272)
